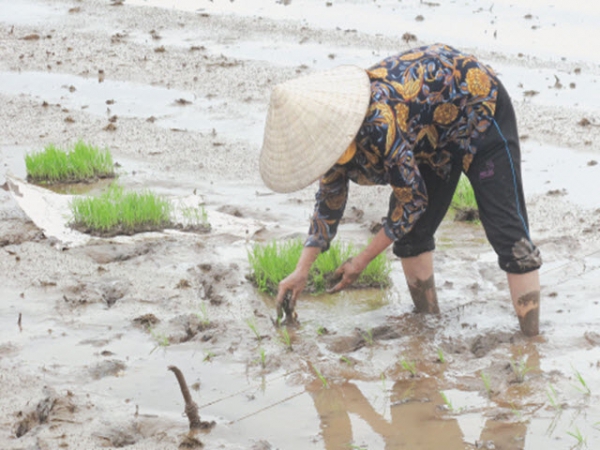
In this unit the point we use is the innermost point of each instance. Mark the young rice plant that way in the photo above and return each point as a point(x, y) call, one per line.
point(83, 162)
point(274, 261)
point(118, 212)
point(463, 201)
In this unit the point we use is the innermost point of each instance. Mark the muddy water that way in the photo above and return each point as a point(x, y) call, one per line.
point(526, 27)
point(168, 108)
point(348, 381)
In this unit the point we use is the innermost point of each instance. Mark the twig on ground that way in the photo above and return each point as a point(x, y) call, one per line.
point(191, 408)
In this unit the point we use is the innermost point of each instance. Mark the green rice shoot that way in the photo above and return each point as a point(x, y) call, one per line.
point(118, 212)
point(83, 162)
point(270, 263)
point(463, 201)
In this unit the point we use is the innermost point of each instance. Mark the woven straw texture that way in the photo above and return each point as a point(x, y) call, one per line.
point(310, 123)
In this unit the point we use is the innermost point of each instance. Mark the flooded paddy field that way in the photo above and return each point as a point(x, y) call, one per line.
point(178, 92)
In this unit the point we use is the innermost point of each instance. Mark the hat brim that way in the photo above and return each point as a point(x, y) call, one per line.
point(310, 123)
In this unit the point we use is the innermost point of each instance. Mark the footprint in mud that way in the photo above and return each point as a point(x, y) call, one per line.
point(108, 368)
point(216, 279)
point(52, 407)
point(483, 344)
point(107, 291)
point(146, 320)
point(15, 232)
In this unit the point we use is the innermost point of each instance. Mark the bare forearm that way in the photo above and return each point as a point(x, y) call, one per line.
point(379, 243)
point(307, 258)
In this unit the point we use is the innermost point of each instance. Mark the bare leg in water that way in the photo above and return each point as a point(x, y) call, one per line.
point(524, 291)
point(525, 294)
point(418, 271)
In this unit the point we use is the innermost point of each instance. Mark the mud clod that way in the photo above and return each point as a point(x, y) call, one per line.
point(108, 368)
point(262, 445)
point(118, 437)
point(484, 344)
point(361, 338)
point(109, 253)
point(592, 337)
point(466, 215)
point(147, 320)
point(191, 442)
point(108, 291)
point(51, 406)
point(190, 325)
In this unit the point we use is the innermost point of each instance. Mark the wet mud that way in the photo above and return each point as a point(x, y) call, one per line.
point(178, 91)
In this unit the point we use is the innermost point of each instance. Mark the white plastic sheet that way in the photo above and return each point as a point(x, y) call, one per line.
point(51, 212)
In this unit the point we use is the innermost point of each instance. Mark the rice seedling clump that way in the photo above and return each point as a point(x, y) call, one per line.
point(464, 203)
point(83, 162)
point(272, 262)
point(118, 212)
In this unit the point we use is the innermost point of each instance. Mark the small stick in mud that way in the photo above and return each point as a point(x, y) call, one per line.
point(191, 408)
point(19, 322)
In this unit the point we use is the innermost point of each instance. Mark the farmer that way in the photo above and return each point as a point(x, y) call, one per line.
point(414, 121)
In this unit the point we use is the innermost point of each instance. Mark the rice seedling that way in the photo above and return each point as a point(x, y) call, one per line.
point(520, 369)
point(254, 327)
point(582, 386)
point(581, 441)
point(486, 383)
point(83, 162)
point(346, 360)
point(447, 401)
point(441, 357)
point(356, 447)
point(208, 356)
point(194, 215)
point(271, 263)
point(285, 338)
point(553, 398)
point(383, 382)
point(409, 366)
point(516, 411)
point(118, 212)
point(324, 381)
point(162, 340)
point(203, 315)
point(263, 357)
point(463, 201)
point(321, 330)
point(368, 337)
point(193, 218)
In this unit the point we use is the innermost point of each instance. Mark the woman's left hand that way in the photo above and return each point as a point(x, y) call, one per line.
point(348, 272)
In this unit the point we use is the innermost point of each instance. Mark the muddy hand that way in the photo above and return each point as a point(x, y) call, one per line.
point(286, 307)
point(347, 274)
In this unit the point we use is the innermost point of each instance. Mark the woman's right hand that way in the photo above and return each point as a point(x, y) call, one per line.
point(294, 283)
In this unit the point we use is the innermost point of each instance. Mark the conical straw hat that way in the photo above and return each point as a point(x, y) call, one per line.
point(311, 122)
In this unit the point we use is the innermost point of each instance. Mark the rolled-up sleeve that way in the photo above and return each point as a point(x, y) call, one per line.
point(329, 208)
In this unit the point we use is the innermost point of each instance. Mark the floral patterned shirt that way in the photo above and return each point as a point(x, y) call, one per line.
point(426, 107)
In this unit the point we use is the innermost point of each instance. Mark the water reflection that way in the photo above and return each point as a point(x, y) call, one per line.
point(417, 419)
